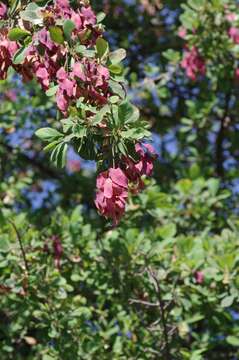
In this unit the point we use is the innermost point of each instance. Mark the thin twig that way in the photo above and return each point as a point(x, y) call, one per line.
point(162, 312)
point(142, 302)
point(21, 245)
point(152, 327)
point(153, 351)
point(172, 331)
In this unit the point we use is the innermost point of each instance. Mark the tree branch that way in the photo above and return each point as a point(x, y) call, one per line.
point(142, 302)
point(20, 244)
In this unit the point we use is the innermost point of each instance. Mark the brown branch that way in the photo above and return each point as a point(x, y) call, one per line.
point(20, 245)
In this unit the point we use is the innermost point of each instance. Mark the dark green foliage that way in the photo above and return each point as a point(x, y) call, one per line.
point(164, 284)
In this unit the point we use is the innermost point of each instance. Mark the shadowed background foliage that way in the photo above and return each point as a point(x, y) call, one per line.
point(164, 284)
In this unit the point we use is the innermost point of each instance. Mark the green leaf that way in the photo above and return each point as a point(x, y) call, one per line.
point(96, 119)
point(213, 186)
point(33, 14)
point(82, 50)
point(184, 186)
point(172, 55)
point(134, 115)
point(197, 4)
point(195, 318)
point(14, 5)
point(117, 88)
point(167, 231)
point(189, 19)
point(4, 243)
point(79, 130)
point(117, 56)
point(102, 47)
point(127, 112)
point(58, 155)
point(62, 161)
point(48, 357)
point(51, 146)
point(48, 134)
point(233, 340)
point(19, 56)
point(67, 124)
point(122, 148)
point(135, 134)
point(100, 17)
point(194, 171)
point(75, 277)
point(68, 27)
point(16, 34)
point(227, 301)
point(116, 69)
point(56, 34)
point(52, 91)
point(114, 99)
